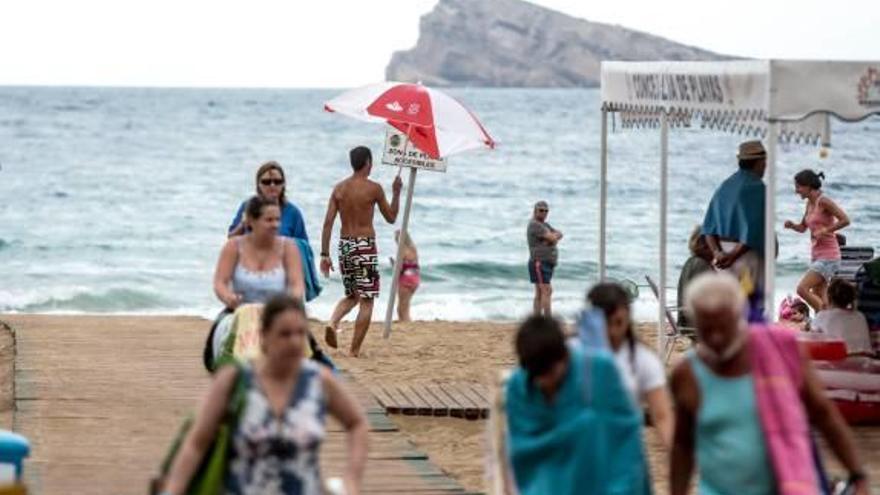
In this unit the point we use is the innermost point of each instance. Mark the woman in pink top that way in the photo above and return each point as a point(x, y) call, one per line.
point(822, 218)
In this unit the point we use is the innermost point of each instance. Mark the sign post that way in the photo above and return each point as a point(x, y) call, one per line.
point(397, 153)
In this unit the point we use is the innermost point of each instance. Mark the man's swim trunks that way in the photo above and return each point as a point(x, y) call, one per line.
point(359, 266)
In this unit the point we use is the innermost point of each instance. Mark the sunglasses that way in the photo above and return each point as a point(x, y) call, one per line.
point(542, 210)
point(272, 182)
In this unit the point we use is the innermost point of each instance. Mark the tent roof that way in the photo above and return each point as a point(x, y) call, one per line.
point(743, 96)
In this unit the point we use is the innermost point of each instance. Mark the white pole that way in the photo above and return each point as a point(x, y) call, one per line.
point(664, 183)
point(603, 193)
point(395, 275)
point(769, 223)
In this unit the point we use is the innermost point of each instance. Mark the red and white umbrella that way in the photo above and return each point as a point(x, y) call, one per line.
point(435, 122)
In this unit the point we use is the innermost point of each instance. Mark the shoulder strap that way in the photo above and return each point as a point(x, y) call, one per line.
point(237, 395)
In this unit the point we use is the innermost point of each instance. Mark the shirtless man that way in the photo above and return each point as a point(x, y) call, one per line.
point(354, 199)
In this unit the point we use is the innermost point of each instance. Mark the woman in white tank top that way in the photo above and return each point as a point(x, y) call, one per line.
point(255, 266)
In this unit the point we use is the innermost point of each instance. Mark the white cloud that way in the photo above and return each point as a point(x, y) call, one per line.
point(335, 43)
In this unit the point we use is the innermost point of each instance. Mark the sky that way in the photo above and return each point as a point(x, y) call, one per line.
point(343, 43)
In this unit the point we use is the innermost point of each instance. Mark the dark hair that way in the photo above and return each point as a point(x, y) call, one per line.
point(809, 178)
point(609, 297)
point(256, 205)
point(279, 304)
point(841, 293)
point(359, 157)
point(801, 307)
point(750, 163)
point(271, 165)
point(540, 344)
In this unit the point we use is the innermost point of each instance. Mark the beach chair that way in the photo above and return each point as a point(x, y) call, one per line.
point(673, 332)
point(851, 259)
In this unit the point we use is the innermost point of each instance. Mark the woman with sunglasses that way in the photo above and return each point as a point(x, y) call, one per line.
point(270, 185)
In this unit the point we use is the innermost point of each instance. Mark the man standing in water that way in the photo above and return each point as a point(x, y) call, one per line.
point(543, 255)
point(355, 199)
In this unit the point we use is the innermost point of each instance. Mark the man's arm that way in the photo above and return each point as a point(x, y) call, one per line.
point(684, 393)
point(720, 258)
point(389, 212)
point(327, 232)
point(825, 416)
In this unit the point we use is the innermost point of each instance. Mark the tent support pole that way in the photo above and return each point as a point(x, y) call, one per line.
point(398, 261)
point(603, 194)
point(664, 197)
point(770, 222)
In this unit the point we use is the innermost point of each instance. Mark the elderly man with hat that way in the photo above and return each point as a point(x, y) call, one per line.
point(734, 224)
point(543, 256)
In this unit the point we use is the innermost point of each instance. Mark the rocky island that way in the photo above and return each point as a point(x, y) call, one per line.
point(513, 43)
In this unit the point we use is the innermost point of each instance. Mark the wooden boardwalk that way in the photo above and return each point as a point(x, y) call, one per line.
point(100, 398)
point(456, 399)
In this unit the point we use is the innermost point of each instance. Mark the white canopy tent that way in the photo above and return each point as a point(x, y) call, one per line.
point(777, 100)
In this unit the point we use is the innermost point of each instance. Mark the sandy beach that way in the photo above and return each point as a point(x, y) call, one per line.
point(417, 352)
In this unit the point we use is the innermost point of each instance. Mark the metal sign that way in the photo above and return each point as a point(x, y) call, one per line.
point(399, 152)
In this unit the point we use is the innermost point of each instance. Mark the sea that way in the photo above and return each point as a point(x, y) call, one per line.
point(117, 200)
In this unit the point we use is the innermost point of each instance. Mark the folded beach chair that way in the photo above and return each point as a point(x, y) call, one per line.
point(851, 260)
point(673, 332)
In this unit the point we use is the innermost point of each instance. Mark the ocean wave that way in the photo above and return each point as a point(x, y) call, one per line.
point(499, 271)
point(84, 300)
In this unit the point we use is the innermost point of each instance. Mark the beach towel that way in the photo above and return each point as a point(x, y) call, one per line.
point(310, 274)
point(237, 338)
point(778, 378)
point(587, 441)
point(736, 211)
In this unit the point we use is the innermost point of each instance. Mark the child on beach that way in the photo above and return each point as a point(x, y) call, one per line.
point(410, 275)
point(795, 314)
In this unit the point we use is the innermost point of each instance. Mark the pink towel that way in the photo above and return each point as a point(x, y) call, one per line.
point(778, 377)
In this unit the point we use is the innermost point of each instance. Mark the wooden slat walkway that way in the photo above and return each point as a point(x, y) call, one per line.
point(100, 398)
point(456, 399)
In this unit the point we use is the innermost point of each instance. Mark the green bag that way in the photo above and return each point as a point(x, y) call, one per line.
point(208, 479)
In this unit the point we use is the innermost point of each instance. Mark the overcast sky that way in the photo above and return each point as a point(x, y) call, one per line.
point(340, 43)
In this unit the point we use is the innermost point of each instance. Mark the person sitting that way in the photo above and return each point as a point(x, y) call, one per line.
point(699, 262)
point(570, 422)
point(252, 268)
point(843, 320)
point(794, 313)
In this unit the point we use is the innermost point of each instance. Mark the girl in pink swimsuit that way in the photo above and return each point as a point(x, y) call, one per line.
point(410, 276)
point(822, 218)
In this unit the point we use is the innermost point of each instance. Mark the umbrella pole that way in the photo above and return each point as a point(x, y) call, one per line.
point(398, 260)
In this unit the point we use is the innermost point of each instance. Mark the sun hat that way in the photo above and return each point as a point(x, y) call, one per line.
point(750, 150)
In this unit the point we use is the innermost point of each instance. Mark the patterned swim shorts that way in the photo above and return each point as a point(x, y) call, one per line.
point(359, 266)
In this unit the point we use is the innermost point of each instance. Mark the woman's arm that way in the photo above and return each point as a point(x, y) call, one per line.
point(686, 396)
point(344, 408)
point(660, 409)
point(837, 212)
point(203, 431)
point(296, 285)
point(223, 274)
point(801, 227)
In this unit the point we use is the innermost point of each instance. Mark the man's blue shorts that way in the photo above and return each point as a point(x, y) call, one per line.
point(540, 272)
